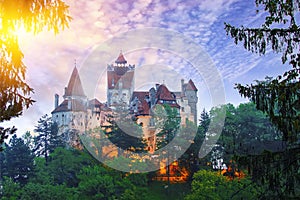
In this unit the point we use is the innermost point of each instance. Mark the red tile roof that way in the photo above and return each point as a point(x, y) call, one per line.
point(113, 78)
point(139, 94)
point(191, 86)
point(75, 106)
point(74, 86)
point(143, 106)
point(164, 96)
point(121, 59)
point(95, 102)
point(164, 93)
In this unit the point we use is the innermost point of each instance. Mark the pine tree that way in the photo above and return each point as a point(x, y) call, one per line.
point(168, 122)
point(19, 160)
point(125, 133)
point(48, 138)
point(33, 16)
point(204, 120)
point(278, 97)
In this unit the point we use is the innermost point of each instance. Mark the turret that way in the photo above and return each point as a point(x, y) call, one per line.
point(190, 91)
point(120, 82)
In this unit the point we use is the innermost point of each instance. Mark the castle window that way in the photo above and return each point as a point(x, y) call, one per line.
point(56, 116)
point(182, 109)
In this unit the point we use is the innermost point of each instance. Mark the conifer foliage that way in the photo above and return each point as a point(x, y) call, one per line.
point(33, 16)
point(278, 97)
point(48, 137)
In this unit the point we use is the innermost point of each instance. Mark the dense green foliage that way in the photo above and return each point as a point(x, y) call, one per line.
point(278, 97)
point(17, 161)
point(246, 145)
point(168, 122)
point(256, 146)
point(212, 185)
point(69, 174)
point(124, 133)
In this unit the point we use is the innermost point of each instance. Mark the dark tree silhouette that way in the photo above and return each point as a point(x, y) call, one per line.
point(278, 97)
point(18, 161)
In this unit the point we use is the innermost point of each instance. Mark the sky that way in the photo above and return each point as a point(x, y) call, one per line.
point(166, 40)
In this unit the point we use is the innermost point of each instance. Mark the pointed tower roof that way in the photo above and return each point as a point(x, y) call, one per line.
point(121, 59)
point(74, 86)
point(191, 86)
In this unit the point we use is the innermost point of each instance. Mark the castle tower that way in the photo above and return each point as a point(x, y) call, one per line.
point(190, 91)
point(74, 89)
point(73, 105)
point(120, 82)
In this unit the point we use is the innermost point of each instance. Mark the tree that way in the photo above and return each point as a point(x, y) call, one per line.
point(124, 132)
point(33, 16)
point(28, 139)
point(254, 125)
point(65, 164)
point(211, 185)
point(190, 159)
point(47, 191)
point(99, 183)
point(10, 189)
point(48, 139)
point(201, 133)
point(278, 97)
point(167, 122)
point(4, 133)
point(19, 160)
point(204, 121)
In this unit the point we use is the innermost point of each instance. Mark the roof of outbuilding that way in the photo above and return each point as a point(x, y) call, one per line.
point(76, 106)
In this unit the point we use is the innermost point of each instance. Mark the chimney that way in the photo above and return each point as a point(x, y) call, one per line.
point(56, 96)
point(156, 86)
point(69, 104)
point(66, 91)
point(182, 83)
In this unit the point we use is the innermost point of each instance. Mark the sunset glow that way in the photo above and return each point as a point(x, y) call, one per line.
point(50, 58)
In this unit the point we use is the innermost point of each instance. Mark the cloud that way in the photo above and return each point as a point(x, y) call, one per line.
point(50, 58)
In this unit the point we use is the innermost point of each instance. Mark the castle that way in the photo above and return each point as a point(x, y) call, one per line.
point(76, 112)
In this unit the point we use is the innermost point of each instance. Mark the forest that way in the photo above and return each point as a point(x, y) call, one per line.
point(254, 165)
point(257, 155)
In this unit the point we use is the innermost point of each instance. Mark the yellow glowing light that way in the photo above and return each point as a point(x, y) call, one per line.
point(20, 32)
